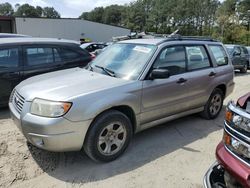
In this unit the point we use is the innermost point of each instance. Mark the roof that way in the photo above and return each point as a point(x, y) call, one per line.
point(154, 41)
point(158, 41)
point(35, 40)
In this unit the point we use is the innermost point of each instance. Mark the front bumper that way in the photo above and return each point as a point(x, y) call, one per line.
point(239, 170)
point(52, 134)
point(226, 162)
point(214, 175)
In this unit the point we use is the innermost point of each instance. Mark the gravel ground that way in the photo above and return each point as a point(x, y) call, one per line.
point(175, 154)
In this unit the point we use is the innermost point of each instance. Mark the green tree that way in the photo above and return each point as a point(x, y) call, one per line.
point(27, 10)
point(6, 9)
point(39, 11)
point(50, 12)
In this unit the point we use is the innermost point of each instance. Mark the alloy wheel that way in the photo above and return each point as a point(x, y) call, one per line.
point(112, 138)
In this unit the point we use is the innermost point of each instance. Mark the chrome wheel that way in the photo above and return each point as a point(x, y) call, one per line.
point(215, 104)
point(112, 138)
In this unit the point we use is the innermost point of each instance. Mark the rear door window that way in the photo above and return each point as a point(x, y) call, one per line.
point(39, 56)
point(219, 54)
point(9, 57)
point(197, 58)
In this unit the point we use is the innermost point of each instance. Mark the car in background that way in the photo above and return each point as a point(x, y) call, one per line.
point(12, 35)
point(131, 86)
point(21, 58)
point(248, 50)
point(239, 56)
point(93, 47)
point(232, 168)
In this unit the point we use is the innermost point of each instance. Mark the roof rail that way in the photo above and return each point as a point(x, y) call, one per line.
point(175, 37)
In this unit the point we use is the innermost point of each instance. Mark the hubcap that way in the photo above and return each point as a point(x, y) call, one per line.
point(112, 138)
point(215, 104)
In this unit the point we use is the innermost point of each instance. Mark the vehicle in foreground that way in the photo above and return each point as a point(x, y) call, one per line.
point(239, 56)
point(232, 168)
point(21, 58)
point(131, 86)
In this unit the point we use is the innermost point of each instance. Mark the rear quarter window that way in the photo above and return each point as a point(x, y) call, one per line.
point(219, 54)
point(69, 54)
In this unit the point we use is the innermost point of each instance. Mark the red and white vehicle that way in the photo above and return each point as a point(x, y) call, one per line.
point(232, 168)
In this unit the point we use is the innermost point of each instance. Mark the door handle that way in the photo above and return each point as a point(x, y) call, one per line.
point(212, 74)
point(181, 80)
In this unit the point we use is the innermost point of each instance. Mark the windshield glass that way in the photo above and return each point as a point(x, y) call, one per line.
point(124, 60)
point(230, 49)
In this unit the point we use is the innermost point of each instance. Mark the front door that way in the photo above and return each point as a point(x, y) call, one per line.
point(165, 97)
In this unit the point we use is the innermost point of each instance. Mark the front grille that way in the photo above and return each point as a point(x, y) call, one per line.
point(18, 101)
point(239, 129)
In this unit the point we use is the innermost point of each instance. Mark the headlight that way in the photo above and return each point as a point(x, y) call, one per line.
point(236, 146)
point(47, 108)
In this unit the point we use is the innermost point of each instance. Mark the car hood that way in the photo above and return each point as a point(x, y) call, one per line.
point(66, 84)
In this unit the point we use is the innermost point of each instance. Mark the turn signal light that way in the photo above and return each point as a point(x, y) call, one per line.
point(228, 116)
point(227, 138)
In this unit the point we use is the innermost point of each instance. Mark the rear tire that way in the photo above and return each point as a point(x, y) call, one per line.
point(213, 105)
point(108, 137)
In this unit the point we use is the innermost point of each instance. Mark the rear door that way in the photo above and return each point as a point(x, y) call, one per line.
point(200, 75)
point(10, 70)
point(39, 59)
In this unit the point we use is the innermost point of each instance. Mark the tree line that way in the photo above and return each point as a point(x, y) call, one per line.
point(27, 10)
point(227, 21)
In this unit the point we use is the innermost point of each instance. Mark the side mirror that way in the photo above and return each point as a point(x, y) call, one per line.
point(159, 74)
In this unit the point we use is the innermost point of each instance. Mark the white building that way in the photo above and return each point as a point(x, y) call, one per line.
point(74, 29)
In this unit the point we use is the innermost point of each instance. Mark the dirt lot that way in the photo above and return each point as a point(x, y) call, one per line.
point(176, 154)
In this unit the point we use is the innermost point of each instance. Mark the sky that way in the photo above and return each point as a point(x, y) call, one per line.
point(69, 8)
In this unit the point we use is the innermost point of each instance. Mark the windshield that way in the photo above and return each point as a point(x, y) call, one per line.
point(230, 49)
point(123, 60)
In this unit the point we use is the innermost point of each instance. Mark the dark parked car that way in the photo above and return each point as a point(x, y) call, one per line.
point(248, 50)
point(232, 168)
point(21, 58)
point(239, 56)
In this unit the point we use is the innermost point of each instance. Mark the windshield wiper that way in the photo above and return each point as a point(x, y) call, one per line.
point(106, 70)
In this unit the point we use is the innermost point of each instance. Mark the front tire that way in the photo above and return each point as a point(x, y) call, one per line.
point(244, 69)
point(213, 105)
point(108, 137)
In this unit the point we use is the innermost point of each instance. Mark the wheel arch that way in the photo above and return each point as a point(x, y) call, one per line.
point(223, 88)
point(125, 109)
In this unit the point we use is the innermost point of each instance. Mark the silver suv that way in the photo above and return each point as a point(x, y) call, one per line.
point(131, 86)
